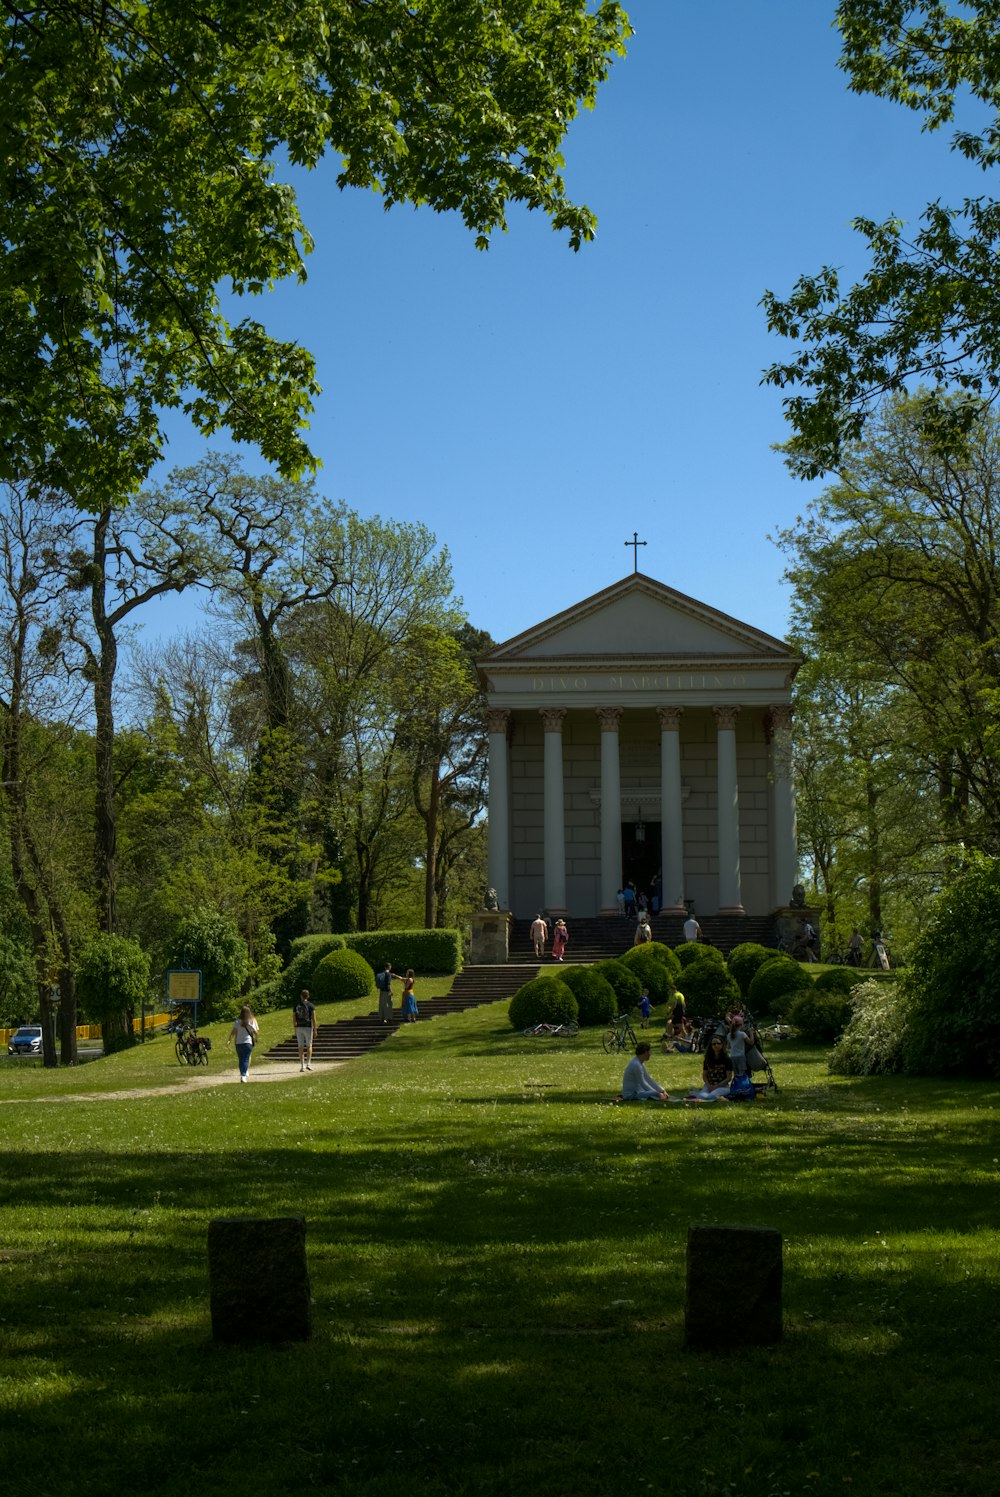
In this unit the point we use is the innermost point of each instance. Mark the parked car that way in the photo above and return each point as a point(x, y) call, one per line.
point(26, 1041)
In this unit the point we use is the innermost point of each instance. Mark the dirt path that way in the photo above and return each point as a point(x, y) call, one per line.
point(195, 1082)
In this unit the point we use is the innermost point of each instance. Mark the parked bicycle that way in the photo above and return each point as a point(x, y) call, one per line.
point(621, 1036)
point(553, 1031)
point(190, 1047)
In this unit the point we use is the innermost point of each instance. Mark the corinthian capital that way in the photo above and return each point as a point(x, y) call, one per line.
point(497, 719)
point(725, 717)
point(609, 718)
point(552, 717)
point(670, 717)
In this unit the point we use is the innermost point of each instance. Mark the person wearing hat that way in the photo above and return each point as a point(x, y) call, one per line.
point(559, 938)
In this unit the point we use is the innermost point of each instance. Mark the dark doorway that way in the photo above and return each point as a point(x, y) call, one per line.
point(641, 859)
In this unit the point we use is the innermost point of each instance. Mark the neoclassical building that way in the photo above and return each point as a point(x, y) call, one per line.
point(641, 734)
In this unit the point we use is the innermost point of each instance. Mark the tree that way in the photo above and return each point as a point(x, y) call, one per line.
point(912, 535)
point(139, 146)
point(112, 978)
point(930, 304)
point(211, 944)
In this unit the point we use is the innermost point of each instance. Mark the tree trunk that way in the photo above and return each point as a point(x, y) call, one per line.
point(430, 846)
point(105, 665)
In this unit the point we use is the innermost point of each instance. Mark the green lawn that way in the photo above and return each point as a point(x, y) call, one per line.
point(497, 1258)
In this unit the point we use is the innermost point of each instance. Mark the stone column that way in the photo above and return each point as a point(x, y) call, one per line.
point(611, 809)
point(554, 813)
point(730, 899)
point(784, 849)
point(671, 813)
point(498, 835)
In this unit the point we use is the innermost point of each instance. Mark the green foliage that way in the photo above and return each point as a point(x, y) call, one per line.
point(653, 970)
point(341, 975)
point(595, 997)
point(664, 954)
point(625, 983)
point(837, 980)
point(818, 1014)
point(307, 953)
point(18, 982)
point(928, 305)
point(952, 987)
point(140, 148)
point(745, 960)
point(872, 1043)
point(697, 951)
point(426, 951)
point(211, 943)
point(112, 979)
point(708, 988)
point(544, 1000)
point(773, 985)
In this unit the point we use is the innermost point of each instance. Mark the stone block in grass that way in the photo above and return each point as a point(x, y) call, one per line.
point(259, 1284)
point(733, 1287)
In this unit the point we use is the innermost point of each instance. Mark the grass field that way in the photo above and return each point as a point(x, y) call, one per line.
point(497, 1258)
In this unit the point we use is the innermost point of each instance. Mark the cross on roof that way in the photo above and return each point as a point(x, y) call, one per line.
point(635, 543)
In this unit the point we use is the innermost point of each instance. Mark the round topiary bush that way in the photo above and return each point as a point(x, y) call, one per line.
point(666, 954)
point(819, 1015)
point(694, 951)
point(595, 997)
point(837, 980)
point(709, 988)
point(745, 961)
point(624, 981)
point(341, 975)
point(774, 985)
point(652, 972)
point(543, 1000)
point(298, 974)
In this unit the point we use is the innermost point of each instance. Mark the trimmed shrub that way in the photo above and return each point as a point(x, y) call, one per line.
point(709, 988)
point(595, 997)
point(951, 990)
point(625, 983)
point(665, 954)
point(774, 985)
point(872, 1043)
point(746, 960)
point(694, 951)
point(342, 975)
point(820, 1015)
point(544, 1000)
point(837, 980)
point(652, 972)
point(429, 952)
point(307, 953)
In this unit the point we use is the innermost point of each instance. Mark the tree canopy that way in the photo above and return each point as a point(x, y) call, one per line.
point(929, 307)
point(141, 148)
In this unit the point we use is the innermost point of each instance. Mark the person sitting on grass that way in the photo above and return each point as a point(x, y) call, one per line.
point(716, 1072)
point(637, 1084)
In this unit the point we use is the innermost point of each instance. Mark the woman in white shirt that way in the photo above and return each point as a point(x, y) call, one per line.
point(244, 1032)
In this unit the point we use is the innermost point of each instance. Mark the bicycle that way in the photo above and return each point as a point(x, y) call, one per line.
point(621, 1036)
point(568, 1031)
point(191, 1048)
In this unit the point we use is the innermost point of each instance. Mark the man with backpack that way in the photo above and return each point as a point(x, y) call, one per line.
point(384, 981)
point(305, 1029)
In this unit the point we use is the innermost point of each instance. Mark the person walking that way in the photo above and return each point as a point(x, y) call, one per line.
point(305, 1029)
point(692, 930)
point(244, 1033)
point(559, 938)
point(539, 935)
point(643, 932)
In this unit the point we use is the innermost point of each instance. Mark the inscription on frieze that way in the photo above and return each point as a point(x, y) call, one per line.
point(661, 681)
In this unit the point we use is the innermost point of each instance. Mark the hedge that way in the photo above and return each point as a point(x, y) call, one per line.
point(709, 988)
point(820, 1015)
point(693, 951)
point(543, 1000)
point(428, 952)
point(307, 952)
point(625, 982)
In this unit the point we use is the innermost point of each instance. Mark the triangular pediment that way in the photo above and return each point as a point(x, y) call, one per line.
point(639, 620)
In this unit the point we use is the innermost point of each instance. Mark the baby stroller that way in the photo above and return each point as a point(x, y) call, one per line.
point(757, 1062)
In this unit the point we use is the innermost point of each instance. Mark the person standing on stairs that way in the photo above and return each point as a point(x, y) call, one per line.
point(384, 981)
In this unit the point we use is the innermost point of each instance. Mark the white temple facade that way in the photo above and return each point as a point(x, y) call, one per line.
point(641, 735)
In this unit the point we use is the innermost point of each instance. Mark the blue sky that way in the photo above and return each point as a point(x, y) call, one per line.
point(534, 407)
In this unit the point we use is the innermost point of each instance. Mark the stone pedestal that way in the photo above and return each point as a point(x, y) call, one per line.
point(258, 1281)
point(733, 1288)
point(490, 945)
point(790, 922)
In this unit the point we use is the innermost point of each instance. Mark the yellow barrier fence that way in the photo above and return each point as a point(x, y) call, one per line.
point(93, 1031)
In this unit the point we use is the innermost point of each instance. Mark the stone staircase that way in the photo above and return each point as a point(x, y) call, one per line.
point(472, 987)
point(603, 936)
